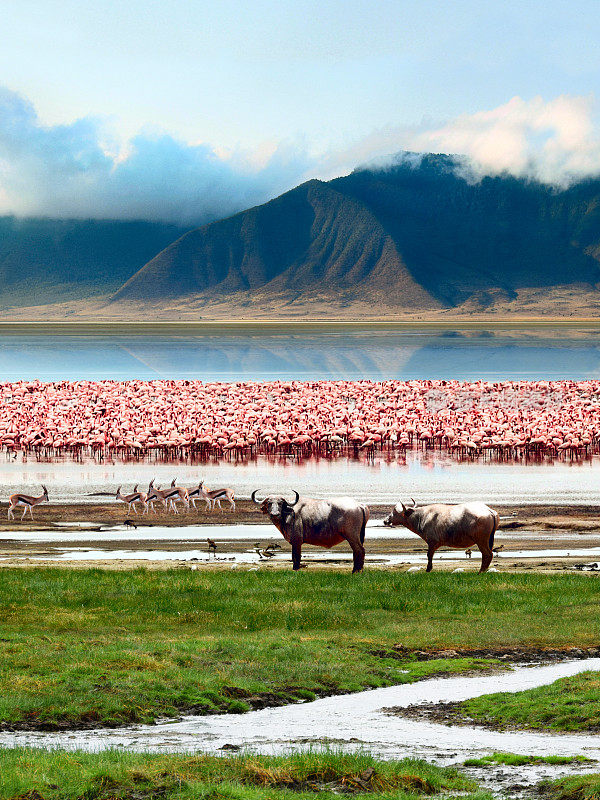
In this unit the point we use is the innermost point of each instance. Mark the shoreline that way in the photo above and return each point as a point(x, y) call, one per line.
point(486, 661)
point(142, 327)
point(583, 518)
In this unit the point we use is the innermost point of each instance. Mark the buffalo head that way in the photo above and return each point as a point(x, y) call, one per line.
point(276, 507)
point(400, 514)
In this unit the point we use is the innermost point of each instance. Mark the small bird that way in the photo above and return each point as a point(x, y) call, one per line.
point(267, 553)
point(468, 553)
point(273, 546)
point(496, 550)
point(130, 524)
point(212, 546)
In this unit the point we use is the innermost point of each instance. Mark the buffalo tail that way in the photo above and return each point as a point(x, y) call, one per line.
point(495, 528)
point(364, 525)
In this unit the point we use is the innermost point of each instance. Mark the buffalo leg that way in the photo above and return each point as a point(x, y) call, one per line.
point(296, 553)
point(358, 553)
point(430, 552)
point(486, 558)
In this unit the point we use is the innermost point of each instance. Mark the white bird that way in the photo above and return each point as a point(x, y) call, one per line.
point(414, 569)
point(458, 569)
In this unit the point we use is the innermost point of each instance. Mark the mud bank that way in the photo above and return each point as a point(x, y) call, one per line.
point(518, 517)
point(539, 538)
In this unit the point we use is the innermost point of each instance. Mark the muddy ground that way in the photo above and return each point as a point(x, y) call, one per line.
point(533, 528)
point(578, 519)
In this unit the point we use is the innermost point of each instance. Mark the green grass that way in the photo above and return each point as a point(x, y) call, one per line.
point(99, 646)
point(516, 760)
point(568, 704)
point(574, 787)
point(118, 775)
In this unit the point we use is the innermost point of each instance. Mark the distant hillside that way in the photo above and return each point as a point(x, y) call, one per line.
point(45, 261)
point(414, 236)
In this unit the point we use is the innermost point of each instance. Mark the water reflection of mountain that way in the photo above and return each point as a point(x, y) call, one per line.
point(352, 355)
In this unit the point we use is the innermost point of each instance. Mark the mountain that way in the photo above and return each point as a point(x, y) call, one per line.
point(46, 260)
point(418, 235)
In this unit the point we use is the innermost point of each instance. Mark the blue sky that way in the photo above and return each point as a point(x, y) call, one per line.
point(297, 88)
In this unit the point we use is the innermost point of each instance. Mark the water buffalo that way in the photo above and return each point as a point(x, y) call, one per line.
point(324, 523)
point(443, 525)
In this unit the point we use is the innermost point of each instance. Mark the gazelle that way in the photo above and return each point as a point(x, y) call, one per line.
point(215, 495)
point(193, 495)
point(182, 494)
point(27, 500)
point(132, 499)
point(199, 494)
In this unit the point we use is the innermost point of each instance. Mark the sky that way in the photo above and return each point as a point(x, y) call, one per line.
point(186, 110)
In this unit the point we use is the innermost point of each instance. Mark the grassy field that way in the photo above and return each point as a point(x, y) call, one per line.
point(88, 647)
point(574, 787)
point(114, 775)
point(518, 760)
point(569, 704)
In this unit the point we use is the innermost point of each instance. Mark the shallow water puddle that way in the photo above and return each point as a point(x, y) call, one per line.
point(145, 532)
point(351, 722)
point(252, 557)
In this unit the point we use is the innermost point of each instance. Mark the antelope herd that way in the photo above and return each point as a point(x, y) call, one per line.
point(173, 494)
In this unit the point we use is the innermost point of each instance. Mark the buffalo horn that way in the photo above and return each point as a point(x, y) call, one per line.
point(253, 498)
point(297, 497)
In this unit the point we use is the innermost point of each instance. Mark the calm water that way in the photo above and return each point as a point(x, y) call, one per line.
point(427, 479)
point(355, 354)
point(350, 722)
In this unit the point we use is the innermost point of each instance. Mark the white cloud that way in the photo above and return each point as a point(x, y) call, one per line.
point(79, 170)
point(554, 141)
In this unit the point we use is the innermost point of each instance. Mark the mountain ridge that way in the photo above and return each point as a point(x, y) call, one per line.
point(418, 237)
point(412, 236)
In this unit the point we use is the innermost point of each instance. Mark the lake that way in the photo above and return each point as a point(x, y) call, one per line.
point(276, 352)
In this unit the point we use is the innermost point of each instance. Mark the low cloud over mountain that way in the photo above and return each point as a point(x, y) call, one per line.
point(78, 170)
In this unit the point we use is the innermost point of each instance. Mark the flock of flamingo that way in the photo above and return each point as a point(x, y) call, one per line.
point(137, 418)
